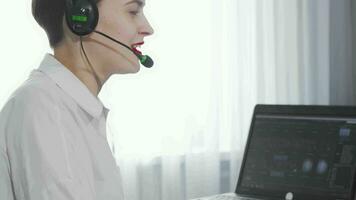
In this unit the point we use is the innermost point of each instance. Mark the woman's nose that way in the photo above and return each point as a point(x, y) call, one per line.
point(146, 28)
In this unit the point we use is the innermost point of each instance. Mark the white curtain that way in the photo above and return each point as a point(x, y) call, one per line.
point(179, 130)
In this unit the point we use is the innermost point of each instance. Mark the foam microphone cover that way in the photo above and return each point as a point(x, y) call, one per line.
point(148, 62)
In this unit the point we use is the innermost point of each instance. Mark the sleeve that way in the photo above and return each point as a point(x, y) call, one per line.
point(37, 152)
point(5, 181)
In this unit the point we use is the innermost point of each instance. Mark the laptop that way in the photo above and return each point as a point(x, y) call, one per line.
point(298, 152)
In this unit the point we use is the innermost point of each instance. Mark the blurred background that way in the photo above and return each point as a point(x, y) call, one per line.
point(178, 130)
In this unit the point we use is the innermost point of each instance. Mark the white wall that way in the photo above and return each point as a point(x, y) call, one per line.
point(23, 44)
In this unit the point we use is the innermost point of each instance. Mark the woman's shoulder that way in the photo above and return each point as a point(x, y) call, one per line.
point(32, 103)
point(34, 93)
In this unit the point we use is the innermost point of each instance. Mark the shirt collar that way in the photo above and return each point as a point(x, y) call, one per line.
point(66, 80)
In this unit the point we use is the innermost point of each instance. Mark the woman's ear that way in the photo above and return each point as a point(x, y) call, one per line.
point(68, 35)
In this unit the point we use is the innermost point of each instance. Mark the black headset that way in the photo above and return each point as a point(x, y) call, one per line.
point(82, 17)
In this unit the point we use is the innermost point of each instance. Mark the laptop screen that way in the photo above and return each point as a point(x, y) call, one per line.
point(301, 152)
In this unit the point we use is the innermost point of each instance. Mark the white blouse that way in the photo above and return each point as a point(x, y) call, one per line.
point(53, 142)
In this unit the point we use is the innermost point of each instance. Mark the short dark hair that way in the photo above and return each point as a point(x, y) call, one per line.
point(49, 15)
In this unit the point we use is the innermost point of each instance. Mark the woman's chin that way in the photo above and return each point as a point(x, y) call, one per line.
point(127, 68)
point(132, 69)
point(136, 68)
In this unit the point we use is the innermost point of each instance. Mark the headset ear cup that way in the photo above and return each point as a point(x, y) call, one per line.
point(82, 16)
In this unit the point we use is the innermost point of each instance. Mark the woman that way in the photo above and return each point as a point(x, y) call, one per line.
point(52, 128)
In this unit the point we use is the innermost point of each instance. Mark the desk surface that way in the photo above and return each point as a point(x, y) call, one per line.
point(210, 197)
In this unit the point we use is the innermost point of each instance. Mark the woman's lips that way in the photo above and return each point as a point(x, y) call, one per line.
point(135, 46)
point(136, 51)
